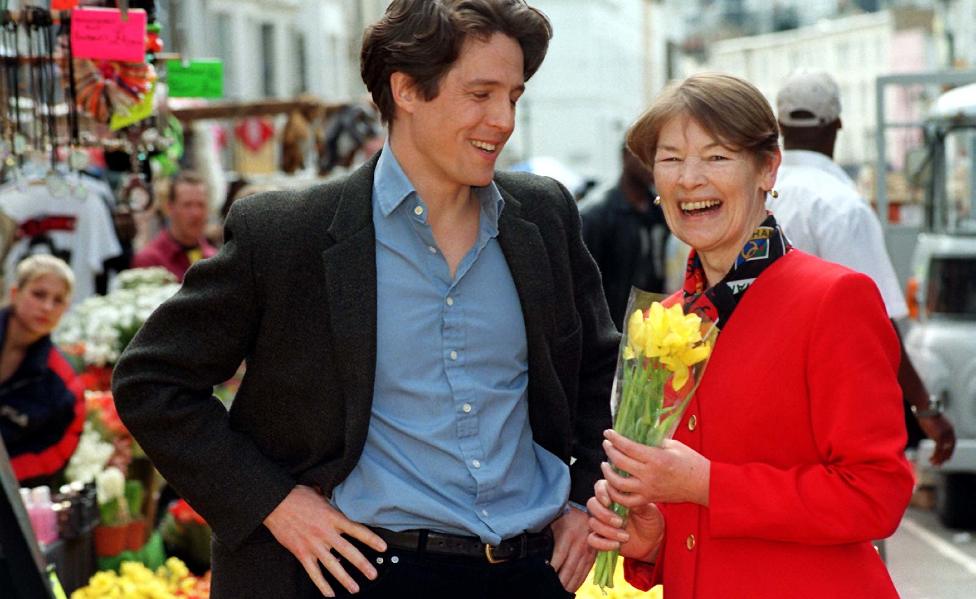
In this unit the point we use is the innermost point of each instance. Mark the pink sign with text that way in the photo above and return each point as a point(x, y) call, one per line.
point(103, 33)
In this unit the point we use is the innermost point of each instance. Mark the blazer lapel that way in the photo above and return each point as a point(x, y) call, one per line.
point(350, 279)
point(528, 262)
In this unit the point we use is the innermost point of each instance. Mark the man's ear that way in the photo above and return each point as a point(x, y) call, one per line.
point(404, 91)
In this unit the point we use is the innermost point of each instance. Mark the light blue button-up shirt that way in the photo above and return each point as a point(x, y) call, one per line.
point(449, 446)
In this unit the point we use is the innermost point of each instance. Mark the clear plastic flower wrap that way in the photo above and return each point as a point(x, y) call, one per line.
point(663, 354)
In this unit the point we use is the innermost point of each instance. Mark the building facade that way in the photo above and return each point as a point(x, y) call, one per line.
point(278, 48)
point(855, 50)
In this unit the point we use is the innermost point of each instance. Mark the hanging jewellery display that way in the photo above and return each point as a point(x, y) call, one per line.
point(13, 113)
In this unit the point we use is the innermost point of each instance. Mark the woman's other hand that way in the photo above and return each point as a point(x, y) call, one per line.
point(671, 473)
point(641, 536)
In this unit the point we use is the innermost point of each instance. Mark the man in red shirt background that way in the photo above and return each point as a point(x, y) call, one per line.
point(182, 243)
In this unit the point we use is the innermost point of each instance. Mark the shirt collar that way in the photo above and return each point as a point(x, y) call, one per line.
point(391, 187)
point(816, 160)
point(175, 248)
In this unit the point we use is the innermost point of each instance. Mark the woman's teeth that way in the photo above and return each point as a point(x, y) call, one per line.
point(701, 205)
point(483, 145)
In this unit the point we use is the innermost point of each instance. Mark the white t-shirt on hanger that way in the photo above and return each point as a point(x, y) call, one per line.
point(77, 229)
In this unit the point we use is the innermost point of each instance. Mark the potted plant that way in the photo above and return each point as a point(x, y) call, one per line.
point(112, 533)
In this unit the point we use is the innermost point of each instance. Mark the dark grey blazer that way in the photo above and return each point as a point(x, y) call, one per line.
point(293, 291)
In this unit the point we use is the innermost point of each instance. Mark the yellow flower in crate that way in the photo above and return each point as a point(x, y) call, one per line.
point(170, 581)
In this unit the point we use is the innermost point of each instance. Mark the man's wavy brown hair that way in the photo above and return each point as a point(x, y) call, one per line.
point(423, 38)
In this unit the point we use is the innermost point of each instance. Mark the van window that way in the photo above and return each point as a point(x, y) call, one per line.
point(952, 288)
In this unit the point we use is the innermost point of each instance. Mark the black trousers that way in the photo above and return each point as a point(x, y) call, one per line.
point(408, 574)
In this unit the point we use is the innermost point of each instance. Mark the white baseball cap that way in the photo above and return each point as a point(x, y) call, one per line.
point(808, 99)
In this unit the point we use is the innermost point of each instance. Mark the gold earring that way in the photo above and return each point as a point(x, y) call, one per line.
point(657, 200)
point(774, 193)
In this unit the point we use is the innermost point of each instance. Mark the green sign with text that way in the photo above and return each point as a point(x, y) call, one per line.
point(196, 79)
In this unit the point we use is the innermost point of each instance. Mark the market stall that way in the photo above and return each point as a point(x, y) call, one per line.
point(79, 121)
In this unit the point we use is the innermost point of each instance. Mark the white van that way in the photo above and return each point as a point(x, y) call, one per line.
point(942, 297)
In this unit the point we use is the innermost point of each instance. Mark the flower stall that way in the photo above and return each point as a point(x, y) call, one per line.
point(130, 554)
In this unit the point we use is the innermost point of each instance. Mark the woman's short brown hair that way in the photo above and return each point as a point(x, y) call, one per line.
point(423, 38)
point(729, 108)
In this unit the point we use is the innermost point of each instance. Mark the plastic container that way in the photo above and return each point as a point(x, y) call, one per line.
point(42, 515)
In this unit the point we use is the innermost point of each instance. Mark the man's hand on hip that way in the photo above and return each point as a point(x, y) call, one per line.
point(572, 556)
point(308, 526)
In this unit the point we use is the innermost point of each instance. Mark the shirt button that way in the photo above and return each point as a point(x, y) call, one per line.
point(484, 512)
point(467, 408)
point(450, 301)
point(418, 210)
point(432, 249)
point(692, 422)
point(690, 542)
point(476, 463)
point(453, 355)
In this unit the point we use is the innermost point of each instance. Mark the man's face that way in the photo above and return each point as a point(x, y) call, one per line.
point(454, 139)
point(188, 213)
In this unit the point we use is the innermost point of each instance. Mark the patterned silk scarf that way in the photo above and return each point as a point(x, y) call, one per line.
point(767, 244)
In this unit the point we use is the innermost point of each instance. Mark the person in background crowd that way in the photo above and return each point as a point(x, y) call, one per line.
point(42, 406)
point(182, 243)
point(626, 234)
point(428, 349)
point(823, 214)
point(789, 458)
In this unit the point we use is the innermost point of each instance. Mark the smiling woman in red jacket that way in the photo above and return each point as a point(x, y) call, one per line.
point(788, 461)
point(42, 407)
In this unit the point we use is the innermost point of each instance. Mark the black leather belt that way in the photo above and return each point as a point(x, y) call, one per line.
point(420, 541)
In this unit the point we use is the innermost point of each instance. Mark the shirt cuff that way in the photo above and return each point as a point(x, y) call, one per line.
point(573, 504)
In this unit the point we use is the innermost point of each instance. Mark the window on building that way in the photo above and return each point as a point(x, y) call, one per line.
point(301, 62)
point(268, 60)
point(225, 52)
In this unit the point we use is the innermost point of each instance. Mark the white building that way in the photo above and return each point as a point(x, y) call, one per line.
point(275, 48)
point(958, 18)
point(855, 50)
point(592, 85)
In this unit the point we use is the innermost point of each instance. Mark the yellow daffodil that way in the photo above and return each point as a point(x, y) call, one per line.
point(636, 335)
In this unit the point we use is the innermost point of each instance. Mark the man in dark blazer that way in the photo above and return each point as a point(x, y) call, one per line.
point(429, 352)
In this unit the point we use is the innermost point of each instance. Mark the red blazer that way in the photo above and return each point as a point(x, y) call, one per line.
point(800, 414)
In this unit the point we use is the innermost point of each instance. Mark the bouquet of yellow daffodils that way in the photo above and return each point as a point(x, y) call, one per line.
point(662, 357)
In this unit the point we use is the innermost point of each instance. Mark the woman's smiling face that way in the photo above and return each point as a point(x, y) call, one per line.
point(713, 196)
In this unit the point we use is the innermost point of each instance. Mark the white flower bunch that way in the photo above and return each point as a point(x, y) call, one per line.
point(90, 457)
point(153, 276)
point(109, 485)
point(101, 326)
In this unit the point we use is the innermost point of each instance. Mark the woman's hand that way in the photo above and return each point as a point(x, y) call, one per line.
point(641, 536)
point(672, 473)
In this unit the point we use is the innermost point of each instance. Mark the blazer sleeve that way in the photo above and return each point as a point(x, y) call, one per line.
point(861, 485)
point(163, 387)
point(600, 341)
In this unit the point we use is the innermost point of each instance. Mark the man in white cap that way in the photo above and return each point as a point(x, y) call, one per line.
point(823, 214)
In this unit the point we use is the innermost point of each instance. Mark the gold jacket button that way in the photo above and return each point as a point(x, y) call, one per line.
point(692, 422)
point(690, 542)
